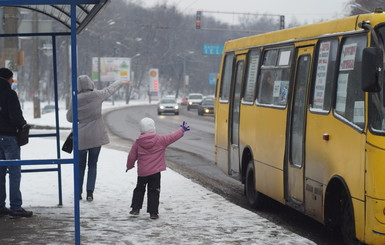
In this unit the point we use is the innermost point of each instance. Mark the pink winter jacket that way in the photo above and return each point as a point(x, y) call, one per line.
point(149, 150)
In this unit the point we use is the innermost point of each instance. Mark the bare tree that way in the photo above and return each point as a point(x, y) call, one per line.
point(365, 6)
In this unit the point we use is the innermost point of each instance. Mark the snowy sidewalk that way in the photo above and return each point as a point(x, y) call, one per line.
point(189, 213)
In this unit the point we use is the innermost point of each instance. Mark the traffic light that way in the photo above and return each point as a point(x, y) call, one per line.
point(282, 22)
point(198, 20)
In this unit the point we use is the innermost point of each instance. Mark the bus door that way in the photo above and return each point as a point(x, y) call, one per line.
point(234, 114)
point(297, 128)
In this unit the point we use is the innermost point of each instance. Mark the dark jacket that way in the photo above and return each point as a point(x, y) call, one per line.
point(11, 115)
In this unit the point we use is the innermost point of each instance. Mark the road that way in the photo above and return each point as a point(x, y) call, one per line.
point(193, 157)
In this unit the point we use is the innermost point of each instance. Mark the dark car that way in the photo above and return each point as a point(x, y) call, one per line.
point(206, 107)
point(168, 105)
point(47, 109)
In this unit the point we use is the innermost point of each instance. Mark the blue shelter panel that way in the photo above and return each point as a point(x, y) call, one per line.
point(75, 15)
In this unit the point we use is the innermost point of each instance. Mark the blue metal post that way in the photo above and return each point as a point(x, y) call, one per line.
point(54, 61)
point(74, 123)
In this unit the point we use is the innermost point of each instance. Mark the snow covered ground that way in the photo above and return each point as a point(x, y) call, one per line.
point(189, 213)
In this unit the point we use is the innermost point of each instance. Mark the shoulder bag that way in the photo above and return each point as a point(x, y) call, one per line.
point(68, 144)
point(23, 135)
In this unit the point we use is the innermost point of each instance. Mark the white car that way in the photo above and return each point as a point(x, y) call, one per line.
point(168, 105)
point(194, 99)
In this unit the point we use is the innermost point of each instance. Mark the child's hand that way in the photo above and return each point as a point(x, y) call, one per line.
point(184, 126)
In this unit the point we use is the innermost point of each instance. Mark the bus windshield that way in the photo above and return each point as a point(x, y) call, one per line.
point(376, 108)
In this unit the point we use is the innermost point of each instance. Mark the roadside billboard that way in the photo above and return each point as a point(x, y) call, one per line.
point(111, 68)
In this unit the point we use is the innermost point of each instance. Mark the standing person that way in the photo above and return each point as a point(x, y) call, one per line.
point(92, 131)
point(267, 88)
point(149, 152)
point(11, 121)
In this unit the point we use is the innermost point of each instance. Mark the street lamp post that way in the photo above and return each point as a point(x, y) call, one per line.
point(129, 88)
point(109, 22)
point(183, 72)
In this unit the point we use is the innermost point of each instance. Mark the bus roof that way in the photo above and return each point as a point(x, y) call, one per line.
point(316, 30)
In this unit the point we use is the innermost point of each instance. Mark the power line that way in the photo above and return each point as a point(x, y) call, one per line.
point(237, 13)
point(199, 15)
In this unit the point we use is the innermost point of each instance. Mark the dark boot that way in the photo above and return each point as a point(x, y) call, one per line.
point(90, 196)
point(134, 212)
point(21, 213)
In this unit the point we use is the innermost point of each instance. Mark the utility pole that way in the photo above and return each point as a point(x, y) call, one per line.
point(10, 55)
point(36, 68)
point(67, 70)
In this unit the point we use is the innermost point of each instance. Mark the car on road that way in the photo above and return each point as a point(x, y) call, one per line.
point(194, 99)
point(168, 105)
point(47, 109)
point(184, 101)
point(206, 107)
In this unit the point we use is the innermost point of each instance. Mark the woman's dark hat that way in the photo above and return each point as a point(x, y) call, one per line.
point(6, 73)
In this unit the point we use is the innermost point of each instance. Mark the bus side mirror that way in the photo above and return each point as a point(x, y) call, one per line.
point(372, 75)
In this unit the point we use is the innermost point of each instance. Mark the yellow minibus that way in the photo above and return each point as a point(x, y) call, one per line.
point(300, 118)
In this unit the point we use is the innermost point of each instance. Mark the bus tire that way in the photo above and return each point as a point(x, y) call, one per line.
point(252, 195)
point(348, 231)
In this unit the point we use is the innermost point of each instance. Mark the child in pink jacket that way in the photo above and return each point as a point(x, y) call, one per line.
point(149, 152)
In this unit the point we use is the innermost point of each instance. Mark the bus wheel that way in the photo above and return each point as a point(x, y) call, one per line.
point(252, 194)
point(347, 225)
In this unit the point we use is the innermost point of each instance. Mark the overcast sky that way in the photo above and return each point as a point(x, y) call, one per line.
point(309, 11)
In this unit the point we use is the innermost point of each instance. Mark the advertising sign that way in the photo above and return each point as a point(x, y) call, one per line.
point(320, 80)
point(111, 68)
point(348, 57)
point(154, 82)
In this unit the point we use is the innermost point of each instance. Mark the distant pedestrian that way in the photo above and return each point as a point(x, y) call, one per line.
point(11, 121)
point(149, 152)
point(92, 131)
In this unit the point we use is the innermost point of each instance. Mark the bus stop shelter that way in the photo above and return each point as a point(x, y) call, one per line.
point(75, 15)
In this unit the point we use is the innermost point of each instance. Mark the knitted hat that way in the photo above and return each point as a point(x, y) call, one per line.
point(147, 125)
point(6, 73)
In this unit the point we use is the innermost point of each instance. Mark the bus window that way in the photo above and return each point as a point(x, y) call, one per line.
point(376, 108)
point(270, 58)
point(325, 60)
point(273, 81)
point(350, 100)
point(226, 79)
point(297, 128)
point(252, 73)
point(376, 113)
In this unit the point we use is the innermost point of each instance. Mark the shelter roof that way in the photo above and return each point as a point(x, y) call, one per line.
point(60, 10)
